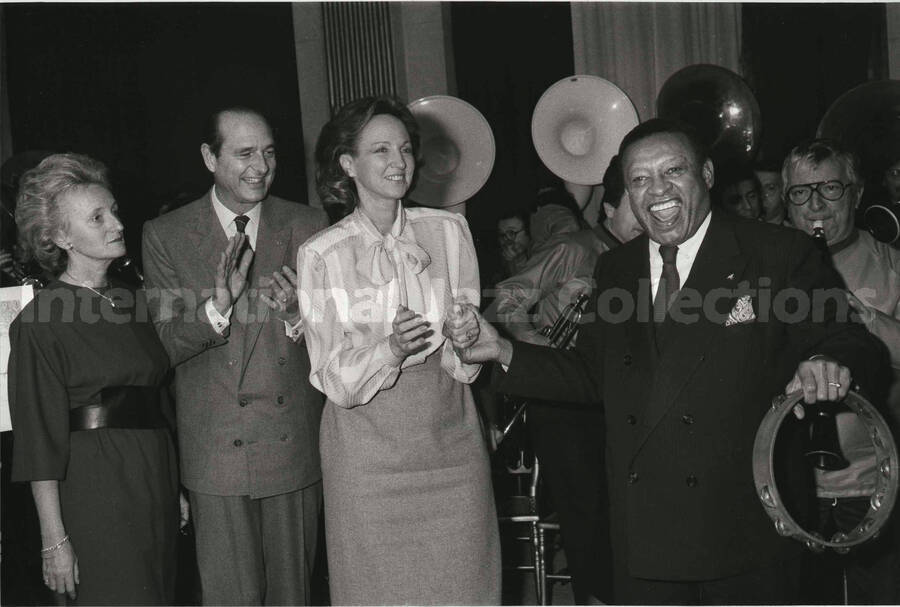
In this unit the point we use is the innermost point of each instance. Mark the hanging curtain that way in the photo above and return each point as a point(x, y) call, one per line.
point(359, 50)
point(639, 45)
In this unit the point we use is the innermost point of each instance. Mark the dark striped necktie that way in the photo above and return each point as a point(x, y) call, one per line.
point(240, 222)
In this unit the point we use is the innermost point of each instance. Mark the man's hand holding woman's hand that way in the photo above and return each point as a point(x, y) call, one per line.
point(461, 326)
point(474, 339)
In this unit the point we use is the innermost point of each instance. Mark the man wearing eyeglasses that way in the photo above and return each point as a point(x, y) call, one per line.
point(823, 189)
point(514, 240)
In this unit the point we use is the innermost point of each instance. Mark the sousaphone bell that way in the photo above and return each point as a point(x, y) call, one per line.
point(456, 152)
point(719, 105)
point(577, 126)
point(866, 120)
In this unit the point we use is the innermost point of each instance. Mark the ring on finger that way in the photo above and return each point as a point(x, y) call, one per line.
point(835, 384)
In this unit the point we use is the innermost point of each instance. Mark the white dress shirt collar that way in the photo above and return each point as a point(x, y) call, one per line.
point(684, 261)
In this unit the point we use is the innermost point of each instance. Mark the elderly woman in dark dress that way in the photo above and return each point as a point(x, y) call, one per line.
point(84, 376)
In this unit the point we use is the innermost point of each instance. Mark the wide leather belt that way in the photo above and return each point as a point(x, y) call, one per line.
point(120, 407)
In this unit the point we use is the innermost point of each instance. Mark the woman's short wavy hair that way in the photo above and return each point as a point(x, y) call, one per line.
point(38, 216)
point(341, 136)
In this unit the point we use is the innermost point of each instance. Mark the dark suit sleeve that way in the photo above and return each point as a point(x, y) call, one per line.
point(570, 376)
point(827, 329)
point(177, 311)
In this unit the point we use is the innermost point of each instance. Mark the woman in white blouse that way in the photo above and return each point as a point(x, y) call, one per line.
point(409, 510)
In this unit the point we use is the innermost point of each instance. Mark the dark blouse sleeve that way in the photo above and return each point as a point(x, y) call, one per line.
point(39, 404)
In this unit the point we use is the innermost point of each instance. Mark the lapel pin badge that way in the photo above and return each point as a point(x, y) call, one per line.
point(730, 276)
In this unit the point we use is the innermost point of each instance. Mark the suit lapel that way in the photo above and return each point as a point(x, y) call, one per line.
point(639, 326)
point(272, 240)
point(719, 265)
point(208, 239)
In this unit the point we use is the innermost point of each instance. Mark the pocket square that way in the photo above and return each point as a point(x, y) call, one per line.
point(742, 312)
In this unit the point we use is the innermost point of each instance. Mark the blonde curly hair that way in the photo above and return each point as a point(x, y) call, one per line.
point(38, 215)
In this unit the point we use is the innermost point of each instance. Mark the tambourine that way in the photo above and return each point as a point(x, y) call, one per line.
point(881, 501)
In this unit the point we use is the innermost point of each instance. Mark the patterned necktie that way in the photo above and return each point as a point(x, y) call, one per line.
point(669, 283)
point(240, 222)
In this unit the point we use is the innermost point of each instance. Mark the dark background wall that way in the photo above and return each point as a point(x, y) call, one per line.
point(131, 84)
point(506, 56)
point(799, 58)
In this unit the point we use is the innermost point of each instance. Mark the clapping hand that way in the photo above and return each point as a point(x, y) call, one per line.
point(231, 273)
point(283, 300)
point(411, 333)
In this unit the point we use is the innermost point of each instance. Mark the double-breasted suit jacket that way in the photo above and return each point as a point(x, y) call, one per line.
point(248, 419)
point(681, 419)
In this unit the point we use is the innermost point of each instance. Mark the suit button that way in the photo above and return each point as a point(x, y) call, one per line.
point(280, 400)
point(632, 420)
point(687, 418)
point(238, 442)
point(691, 480)
point(281, 360)
point(626, 360)
point(632, 478)
point(284, 437)
point(243, 402)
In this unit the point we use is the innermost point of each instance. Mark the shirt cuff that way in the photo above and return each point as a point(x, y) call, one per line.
point(295, 331)
point(384, 353)
point(218, 321)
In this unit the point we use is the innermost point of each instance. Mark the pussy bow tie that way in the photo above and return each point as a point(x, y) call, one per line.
point(377, 261)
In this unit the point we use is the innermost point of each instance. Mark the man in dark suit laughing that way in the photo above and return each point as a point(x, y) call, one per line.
point(696, 326)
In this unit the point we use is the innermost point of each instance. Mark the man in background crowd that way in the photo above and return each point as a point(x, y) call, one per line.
point(738, 191)
point(773, 205)
point(823, 187)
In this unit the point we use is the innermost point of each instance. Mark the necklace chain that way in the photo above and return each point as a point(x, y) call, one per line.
point(84, 284)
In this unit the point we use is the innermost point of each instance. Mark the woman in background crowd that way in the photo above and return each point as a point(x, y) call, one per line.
point(84, 379)
point(409, 512)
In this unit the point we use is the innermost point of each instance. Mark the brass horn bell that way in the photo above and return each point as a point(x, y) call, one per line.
point(577, 126)
point(719, 105)
point(457, 151)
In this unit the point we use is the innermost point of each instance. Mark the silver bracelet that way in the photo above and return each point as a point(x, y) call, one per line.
point(55, 547)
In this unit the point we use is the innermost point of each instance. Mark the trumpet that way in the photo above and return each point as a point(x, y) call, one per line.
point(561, 334)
